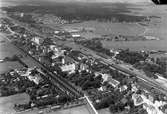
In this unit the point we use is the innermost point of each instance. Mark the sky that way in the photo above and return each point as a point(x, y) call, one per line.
point(19, 2)
point(129, 1)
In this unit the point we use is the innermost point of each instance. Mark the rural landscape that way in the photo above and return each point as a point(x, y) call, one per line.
point(83, 57)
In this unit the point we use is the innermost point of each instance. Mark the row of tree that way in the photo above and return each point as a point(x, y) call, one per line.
point(131, 57)
point(84, 79)
point(96, 45)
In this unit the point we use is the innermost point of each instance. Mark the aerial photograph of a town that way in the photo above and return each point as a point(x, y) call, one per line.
point(83, 57)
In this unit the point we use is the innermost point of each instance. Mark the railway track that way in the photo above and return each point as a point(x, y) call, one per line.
point(151, 83)
point(56, 79)
point(117, 67)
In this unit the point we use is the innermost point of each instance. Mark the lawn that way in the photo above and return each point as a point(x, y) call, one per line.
point(105, 28)
point(7, 103)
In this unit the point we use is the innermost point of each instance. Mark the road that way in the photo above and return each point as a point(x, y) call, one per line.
point(144, 78)
point(55, 79)
point(63, 82)
point(140, 76)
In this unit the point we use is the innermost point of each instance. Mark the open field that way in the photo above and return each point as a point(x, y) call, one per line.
point(162, 81)
point(75, 110)
point(107, 111)
point(104, 111)
point(137, 45)
point(102, 28)
point(7, 103)
point(9, 65)
point(98, 16)
point(157, 28)
point(7, 50)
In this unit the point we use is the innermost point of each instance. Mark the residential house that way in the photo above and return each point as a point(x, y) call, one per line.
point(68, 68)
point(37, 40)
point(113, 82)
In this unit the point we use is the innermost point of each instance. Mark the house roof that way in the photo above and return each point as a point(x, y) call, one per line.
point(113, 81)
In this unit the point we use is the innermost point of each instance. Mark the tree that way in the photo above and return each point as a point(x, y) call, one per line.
point(116, 107)
point(131, 56)
point(112, 108)
point(47, 41)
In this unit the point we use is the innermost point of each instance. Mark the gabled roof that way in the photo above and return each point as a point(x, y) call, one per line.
point(113, 82)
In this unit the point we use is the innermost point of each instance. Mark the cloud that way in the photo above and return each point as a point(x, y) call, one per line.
point(112, 1)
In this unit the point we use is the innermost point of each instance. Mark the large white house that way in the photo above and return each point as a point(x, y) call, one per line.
point(68, 68)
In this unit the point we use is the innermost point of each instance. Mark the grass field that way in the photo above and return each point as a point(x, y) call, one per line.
point(7, 50)
point(7, 103)
point(103, 28)
point(75, 110)
point(156, 28)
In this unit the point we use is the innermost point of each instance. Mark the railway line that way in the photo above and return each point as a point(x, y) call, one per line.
point(70, 89)
point(150, 82)
point(111, 64)
point(56, 79)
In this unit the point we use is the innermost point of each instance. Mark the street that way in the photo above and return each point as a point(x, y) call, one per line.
point(150, 82)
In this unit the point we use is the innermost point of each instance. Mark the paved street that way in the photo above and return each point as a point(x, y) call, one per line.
point(57, 80)
point(150, 82)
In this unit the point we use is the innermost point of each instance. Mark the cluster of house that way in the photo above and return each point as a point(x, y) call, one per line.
point(69, 65)
point(36, 78)
point(59, 57)
point(48, 19)
point(69, 33)
point(149, 103)
point(145, 98)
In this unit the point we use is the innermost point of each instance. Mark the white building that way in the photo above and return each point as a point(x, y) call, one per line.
point(108, 78)
point(56, 32)
point(37, 40)
point(83, 67)
point(113, 82)
point(72, 30)
point(104, 76)
point(36, 79)
point(57, 52)
point(123, 88)
point(21, 14)
point(150, 106)
point(76, 35)
point(68, 68)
